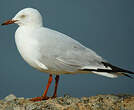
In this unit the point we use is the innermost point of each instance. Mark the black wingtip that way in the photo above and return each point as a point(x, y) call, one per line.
point(116, 69)
point(128, 76)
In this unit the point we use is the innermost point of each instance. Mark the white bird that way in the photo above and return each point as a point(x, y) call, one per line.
point(55, 53)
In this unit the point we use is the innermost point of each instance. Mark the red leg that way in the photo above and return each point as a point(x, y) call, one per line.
point(56, 86)
point(44, 96)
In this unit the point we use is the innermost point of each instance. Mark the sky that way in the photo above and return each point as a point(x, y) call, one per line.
point(105, 26)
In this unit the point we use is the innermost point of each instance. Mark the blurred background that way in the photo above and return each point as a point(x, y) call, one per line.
point(106, 26)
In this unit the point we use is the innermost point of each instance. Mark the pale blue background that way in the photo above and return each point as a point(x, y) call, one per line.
point(106, 26)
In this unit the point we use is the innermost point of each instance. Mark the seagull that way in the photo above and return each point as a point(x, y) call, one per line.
point(55, 53)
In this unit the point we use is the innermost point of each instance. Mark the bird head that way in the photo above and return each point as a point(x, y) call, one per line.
point(27, 16)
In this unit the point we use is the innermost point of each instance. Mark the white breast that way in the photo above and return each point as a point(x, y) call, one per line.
point(28, 47)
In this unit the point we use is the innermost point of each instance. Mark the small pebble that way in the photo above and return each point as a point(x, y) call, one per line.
point(9, 98)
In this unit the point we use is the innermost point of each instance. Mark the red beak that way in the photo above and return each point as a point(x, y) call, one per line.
point(9, 22)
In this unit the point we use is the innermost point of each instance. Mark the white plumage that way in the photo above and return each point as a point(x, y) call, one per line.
point(52, 51)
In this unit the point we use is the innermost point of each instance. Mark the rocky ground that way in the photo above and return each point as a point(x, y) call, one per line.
point(99, 102)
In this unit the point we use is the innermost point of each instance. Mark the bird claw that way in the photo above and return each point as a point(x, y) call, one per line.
point(53, 97)
point(35, 99)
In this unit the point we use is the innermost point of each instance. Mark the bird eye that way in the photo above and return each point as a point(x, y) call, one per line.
point(23, 16)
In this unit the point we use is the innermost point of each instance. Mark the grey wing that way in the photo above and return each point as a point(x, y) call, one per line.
point(62, 53)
